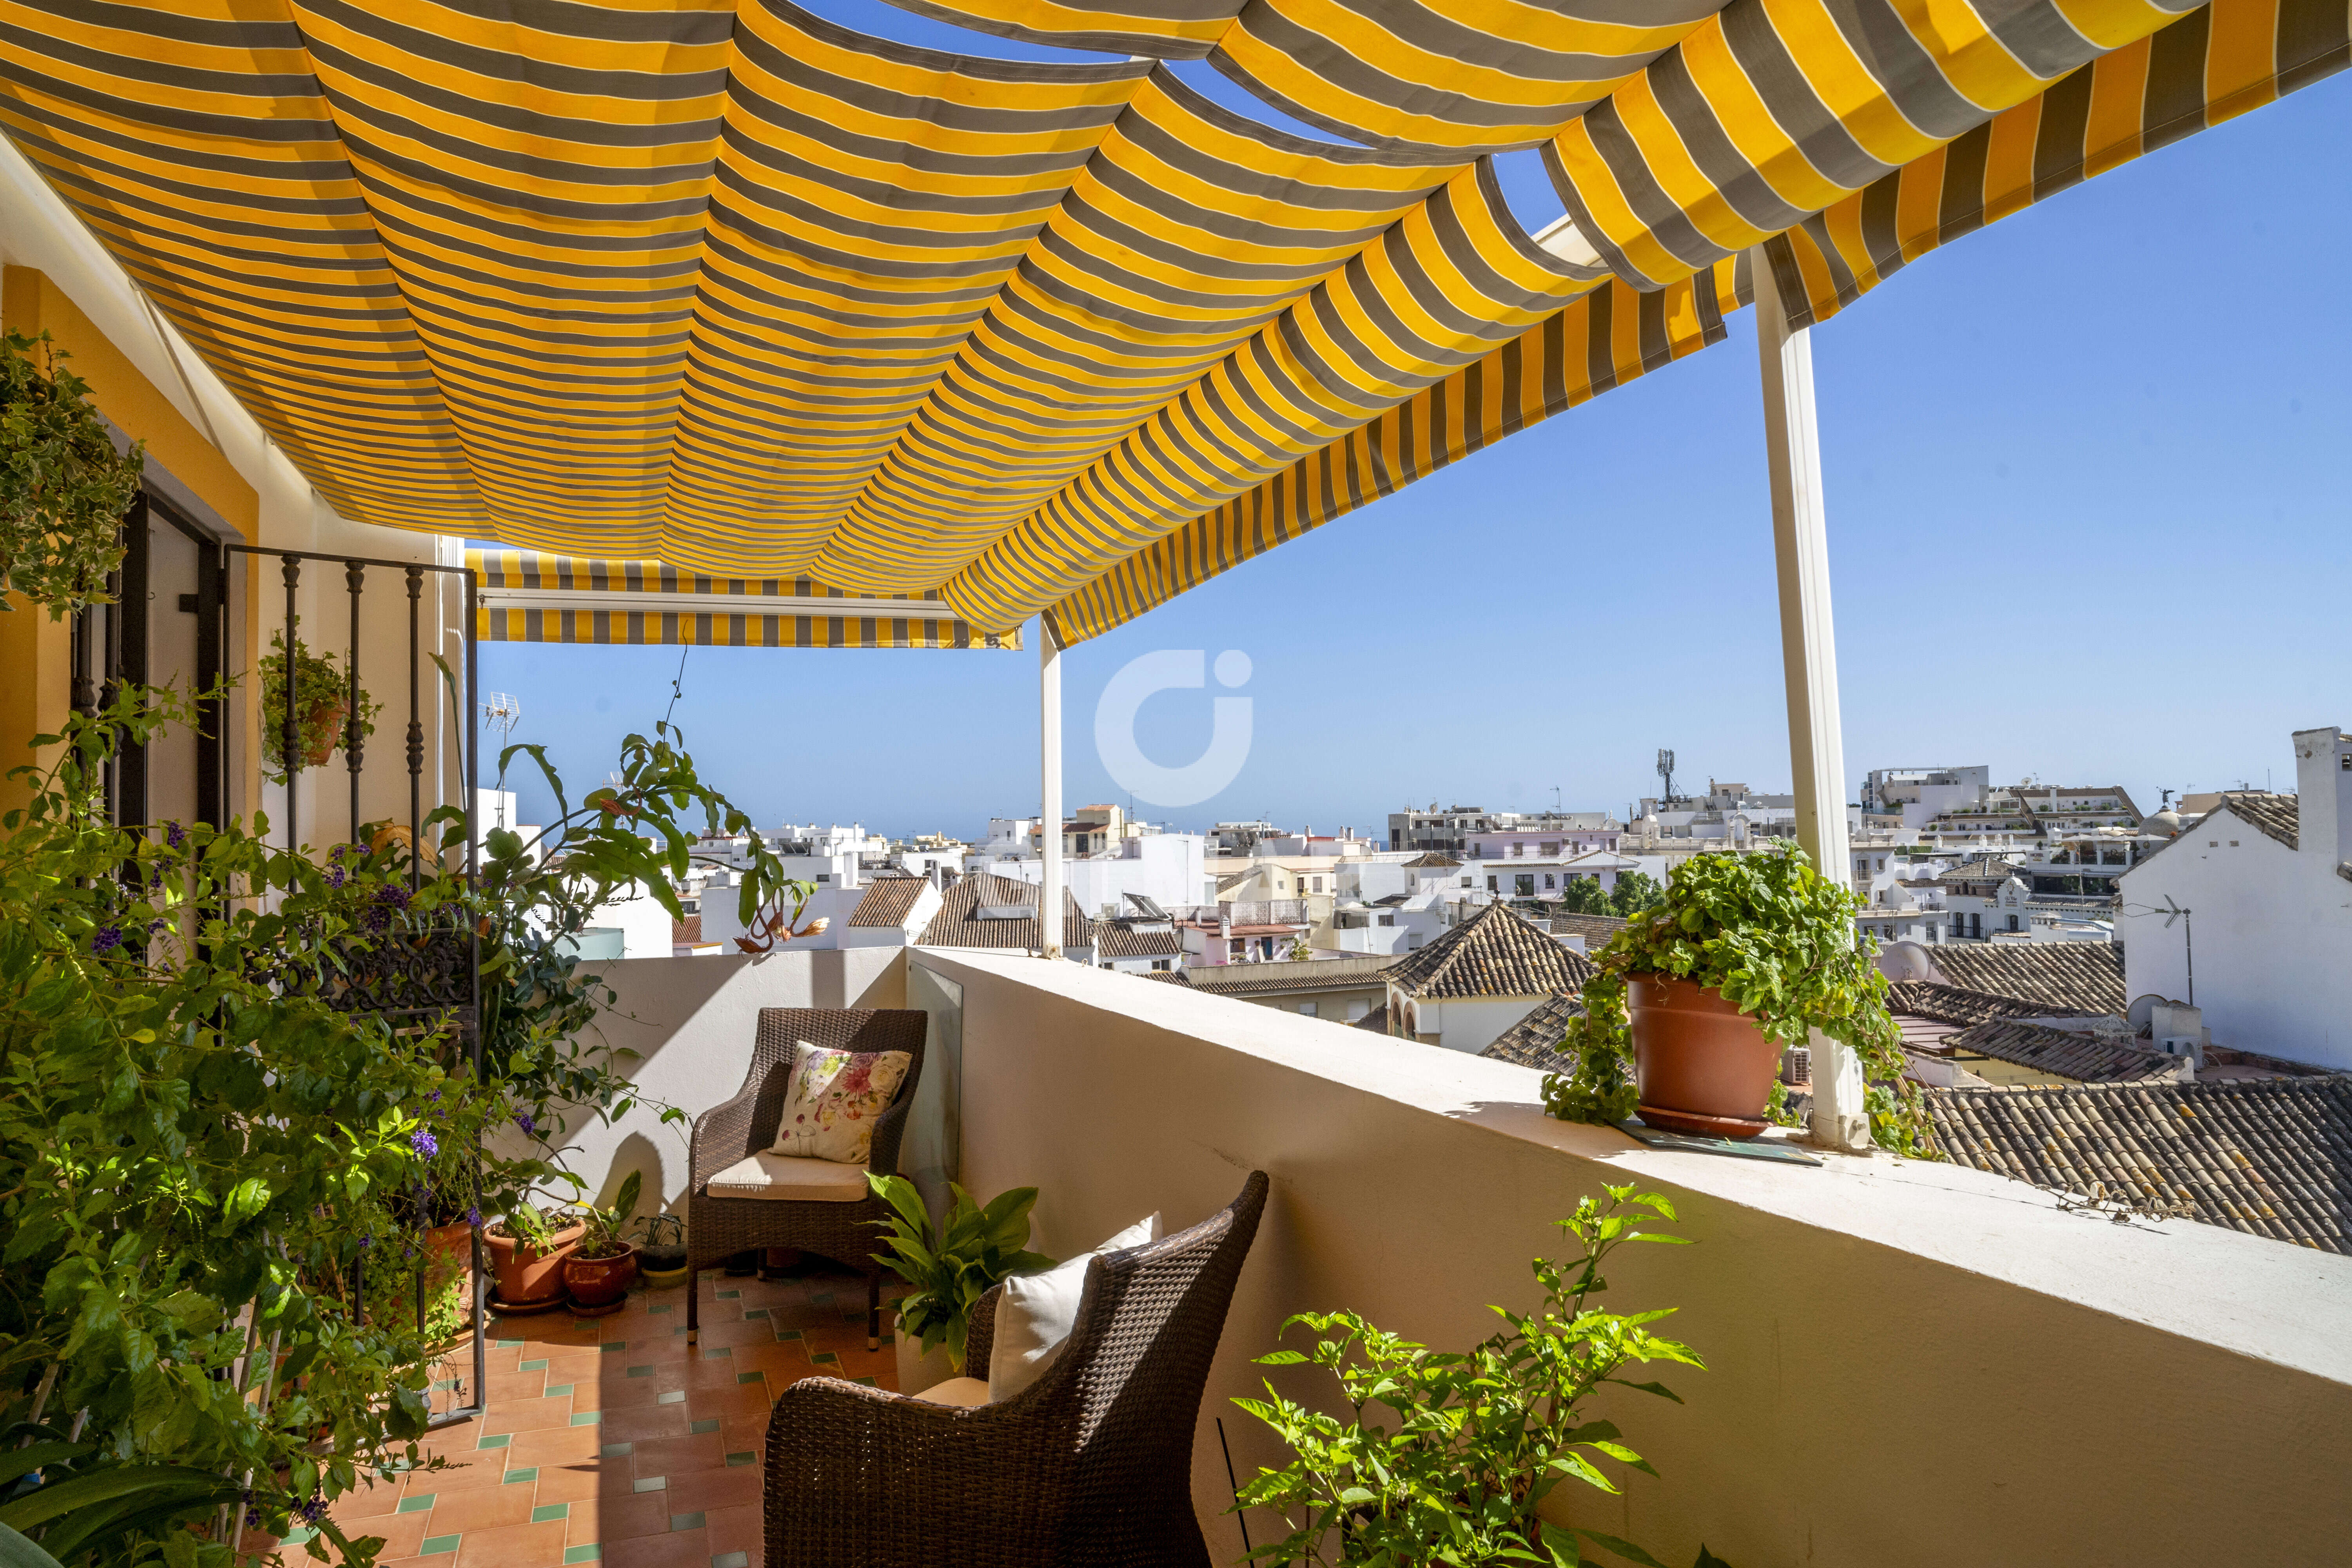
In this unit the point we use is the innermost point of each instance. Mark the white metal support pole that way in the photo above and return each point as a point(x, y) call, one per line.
point(1049, 827)
point(1808, 657)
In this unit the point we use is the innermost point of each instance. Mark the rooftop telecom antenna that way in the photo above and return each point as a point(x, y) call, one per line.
point(1666, 772)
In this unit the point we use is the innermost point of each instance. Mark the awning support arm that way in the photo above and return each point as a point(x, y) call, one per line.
point(1049, 826)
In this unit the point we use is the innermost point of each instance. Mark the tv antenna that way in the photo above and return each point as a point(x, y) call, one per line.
point(1666, 772)
point(2188, 939)
point(501, 711)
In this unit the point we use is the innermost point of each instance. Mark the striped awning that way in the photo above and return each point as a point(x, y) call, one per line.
point(525, 598)
point(734, 289)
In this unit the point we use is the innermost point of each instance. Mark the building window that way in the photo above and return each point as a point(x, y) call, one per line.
point(1548, 880)
point(2012, 922)
point(1491, 887)
point(1526, 884)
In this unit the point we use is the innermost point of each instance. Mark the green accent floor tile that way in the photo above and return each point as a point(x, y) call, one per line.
point(731, 1560)
point(500, 1441)
point(742, 1459)
point(296, 1536)
point(613, 1347)
point(616, 1450)
point(723, 1353)
point(742, 1377)
point(539, 1365)
point(686, 1521)
point(699, 1427)
point(674, 1396)
point(415, 1504)
point(679, 1333)
point(553, 1389)
point(788, 1333)
point(641, 1370)
point(587, 1417)
point(443, 1385)
point(514, 1477)
point(650, 1484)
point(588, 1553)
point(729, 1296)
point(507, 1344)
point(753, 1314)
point(866, 1381)
point(825, 1358)
point(822, 1298)
point(665, 1306)
point(548, 1510)
point(435, 1545)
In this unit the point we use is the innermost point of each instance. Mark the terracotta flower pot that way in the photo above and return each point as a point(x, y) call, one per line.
point(1700, 1065)
point(323, 731)
point(449, 1258)
point(917, 1371)
point(599, 1285)
point(530, 1281)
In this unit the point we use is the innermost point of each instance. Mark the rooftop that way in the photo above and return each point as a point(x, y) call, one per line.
point(1534, 1040)
point(2064, 1053)
point(1283, 976)
point(2084, 975)
point(1497, 953)
point(888, 901)
point(959, 925)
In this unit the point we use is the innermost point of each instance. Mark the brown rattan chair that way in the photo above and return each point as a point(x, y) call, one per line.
point(1090, 1466)
point(719, 1228)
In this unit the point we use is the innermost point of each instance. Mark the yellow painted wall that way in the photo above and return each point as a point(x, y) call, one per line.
point(33, 649)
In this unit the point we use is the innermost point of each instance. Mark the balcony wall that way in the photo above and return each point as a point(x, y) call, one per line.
point(1909, 1363)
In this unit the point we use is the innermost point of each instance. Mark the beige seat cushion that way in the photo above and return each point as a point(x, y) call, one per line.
point(766, 1175)
point(964, 1392)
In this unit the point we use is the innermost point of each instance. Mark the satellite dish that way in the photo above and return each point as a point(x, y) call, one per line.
point(1906, 959)
point(2143, 1008)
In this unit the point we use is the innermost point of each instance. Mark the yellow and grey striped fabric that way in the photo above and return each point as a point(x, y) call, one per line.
point(705, 611)
point(2213, 65)
point(722, 284)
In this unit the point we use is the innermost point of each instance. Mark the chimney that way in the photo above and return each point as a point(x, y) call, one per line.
point(2323, 774)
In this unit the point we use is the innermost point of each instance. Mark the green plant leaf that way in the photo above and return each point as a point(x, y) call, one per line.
point(104, 1486)
point(16, 1551)
point(1624, 1548)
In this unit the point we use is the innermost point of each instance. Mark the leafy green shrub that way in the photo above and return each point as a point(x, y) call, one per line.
point(1583, 896)
point(1779, 941)
point(1480, 1437)
point(954, 1266)
point(63, 487)
point(322, 695)
point(1636, 892)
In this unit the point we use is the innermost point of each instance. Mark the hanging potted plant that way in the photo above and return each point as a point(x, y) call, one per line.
point(1695, 1001)
point(323, 695)
point(63, 487)
point(950, 1268)
point(598, 1273)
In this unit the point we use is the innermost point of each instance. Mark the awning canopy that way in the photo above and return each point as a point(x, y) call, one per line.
point(741, 290)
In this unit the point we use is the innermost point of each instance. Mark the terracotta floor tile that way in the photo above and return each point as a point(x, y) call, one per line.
point(731, 1404)
point(677, 1549)
point(402, 1534)
point(624, 1392)
point(484, 1507)
point(468, 1472)
point(555, 1445)
point(370, 1498)
point(583, 1479)
point(756, 1331)
point(637, 1424)
point(618, 1516)
point(735, 1530)
point(699, 1491)
point(748, 1436)
point(514, 1546)
point(676, 1456)
point(513, 1385)
point(859, 1361)
point(700, 1374)
point(526, 1415)
point(776, 1355)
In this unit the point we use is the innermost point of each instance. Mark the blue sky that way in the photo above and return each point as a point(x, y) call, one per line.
point(2089, 480)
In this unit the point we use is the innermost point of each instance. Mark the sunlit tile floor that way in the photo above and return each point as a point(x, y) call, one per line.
point(609, 1440)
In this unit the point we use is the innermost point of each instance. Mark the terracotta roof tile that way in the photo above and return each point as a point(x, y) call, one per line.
point(1596, 930)
point(2063, 1053)
point(1497, 953)
point(954, 925)
point(888, 901)
point(1958, 1005)
point(1534, 1040)
point(1281, 975)
point(1113, 939)
point(2271, 1158)
point(2088, 975)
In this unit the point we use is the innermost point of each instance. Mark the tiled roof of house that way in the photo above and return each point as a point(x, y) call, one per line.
point(1957, 1005)
point(1113, 939)
point(1497, 953)
point(1534, 1040)
point(1281, 976)
point(887, 900)
point(1376, 1021)
point(2063, 1053)
point(1596, 930)
point(955, 925)
point(2271, 1158)
point(1176, 976)
point(2088, 975)
point(1433, 860)
point(1983, 868)
point(2272, 814)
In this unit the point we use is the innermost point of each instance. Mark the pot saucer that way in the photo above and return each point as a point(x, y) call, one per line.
point(1700, 1126)
point(607, 1311)
point(506, 1308)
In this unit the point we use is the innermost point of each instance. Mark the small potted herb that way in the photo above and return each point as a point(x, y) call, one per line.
point(661, 1257)
point(598, 1273)
point(322, 694)
point(1695, 1001)
point(527, 1249)
point(949, 1268)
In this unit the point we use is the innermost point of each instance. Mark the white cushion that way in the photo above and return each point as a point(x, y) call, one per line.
point(766, 1175)
point(833, 1099)
point(1036, 1312)
point(964, 1392)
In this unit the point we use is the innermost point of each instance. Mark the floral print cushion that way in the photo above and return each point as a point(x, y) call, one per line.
point(833, 1098)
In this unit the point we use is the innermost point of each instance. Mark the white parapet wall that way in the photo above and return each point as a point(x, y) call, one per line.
point(1908, 1363)
point(692, 1022)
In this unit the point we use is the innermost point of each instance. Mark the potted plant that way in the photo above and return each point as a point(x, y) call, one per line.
point(661, 1257)
point(526, 1251)
point(950, 1268)
point(1746, 956)
point(598, 1272)
point(322, 694)
point(1457, 1463)
point(63, 487)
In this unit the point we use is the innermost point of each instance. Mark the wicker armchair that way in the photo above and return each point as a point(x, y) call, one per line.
point(719, 1228)
point(1090, 1466)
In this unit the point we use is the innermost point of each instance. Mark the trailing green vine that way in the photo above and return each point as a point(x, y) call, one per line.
point(63, 487)
point(1779, 941)
point(322, 697)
